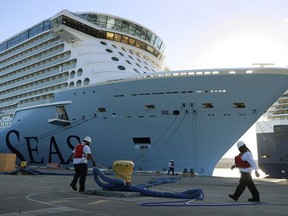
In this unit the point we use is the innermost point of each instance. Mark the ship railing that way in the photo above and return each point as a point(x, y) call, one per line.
point(205, 72)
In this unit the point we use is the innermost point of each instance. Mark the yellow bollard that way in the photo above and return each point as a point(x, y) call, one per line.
point(23, 164)
point(123, 170)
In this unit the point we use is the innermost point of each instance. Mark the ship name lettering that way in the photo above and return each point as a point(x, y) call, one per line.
point(33, 151)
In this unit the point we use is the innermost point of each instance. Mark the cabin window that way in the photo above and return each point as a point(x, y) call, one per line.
point(149, 107)
point(239, 105)
point(207, 105)
point(141, 140)
point(101, 109)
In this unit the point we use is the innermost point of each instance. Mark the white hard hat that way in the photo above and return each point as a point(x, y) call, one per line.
point(240, 144)
point(171, 160)
point(88, 139)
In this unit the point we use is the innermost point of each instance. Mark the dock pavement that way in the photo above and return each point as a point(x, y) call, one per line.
point(50, 194)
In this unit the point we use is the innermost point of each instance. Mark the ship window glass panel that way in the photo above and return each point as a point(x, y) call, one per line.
point(117, 37)
point(103, 43)
point(138, 44)
point(149, 36)
point(138, 31)
point(93, 32)
point(72, 74)
point(118, 24)
point(143, 34)
point(132, 41)
point(207, 105)
point(239, 105)
point(125, 39)
point(36, 30)
point(79, 26)
point(86, 81)
point(125, 26)
point(109, 35)
point(141, 140)
point(102, 21)
point(110, 23)
point(79, 72)
point(46, 25)
point(158, 42)
point(92, 18)
point(71, 84)
point(3, 46)
point(79, 83)
point(132, 28)
point(101, 34)
point(86, 29)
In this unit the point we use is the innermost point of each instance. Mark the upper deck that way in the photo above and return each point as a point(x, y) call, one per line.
point(96, 25)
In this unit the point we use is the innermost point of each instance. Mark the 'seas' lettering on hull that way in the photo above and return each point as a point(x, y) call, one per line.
point(32, 146)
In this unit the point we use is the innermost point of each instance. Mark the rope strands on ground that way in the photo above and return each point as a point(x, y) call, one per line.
point(120, 185)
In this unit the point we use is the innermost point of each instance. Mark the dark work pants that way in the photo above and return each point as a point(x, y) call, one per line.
point(246, 181)
point(81, 171)
point(171, 169)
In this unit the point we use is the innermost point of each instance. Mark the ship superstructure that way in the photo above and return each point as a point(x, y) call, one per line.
point(79, 74)
point(272, 139)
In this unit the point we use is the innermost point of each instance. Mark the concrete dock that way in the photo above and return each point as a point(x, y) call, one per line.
point(35, 195)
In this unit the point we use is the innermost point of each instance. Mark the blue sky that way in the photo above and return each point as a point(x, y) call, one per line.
point(197, 33)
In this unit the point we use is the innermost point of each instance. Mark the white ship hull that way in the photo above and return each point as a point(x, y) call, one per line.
point(177, 127)
point(89, 74)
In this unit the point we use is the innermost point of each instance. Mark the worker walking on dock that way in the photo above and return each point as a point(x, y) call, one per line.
point(246, 164)
point(171, 167)
point(81, 155)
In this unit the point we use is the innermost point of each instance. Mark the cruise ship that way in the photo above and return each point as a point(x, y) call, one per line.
point(92, 74)
point(272, 139)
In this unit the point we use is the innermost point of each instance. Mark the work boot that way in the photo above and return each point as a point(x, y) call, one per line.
point(232, 197)
point(81, 189)
point(254, 200)
point(73, 186)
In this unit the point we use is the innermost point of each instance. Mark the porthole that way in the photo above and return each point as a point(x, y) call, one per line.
point(109, 51)
point(128, 62)
point(72, 74)
point(86, 81)
point(79, 72)
point(79, 83)
point(103, 43)
point(121, 53)
point(120, 67)
point(71, 84)
point(114, 46)
point(136, 70)
point(114, 58)
point(176, 112)
point(138, 65)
